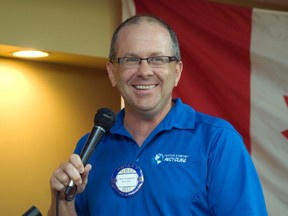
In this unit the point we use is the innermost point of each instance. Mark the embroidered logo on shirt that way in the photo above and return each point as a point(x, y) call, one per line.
point(172, 158)
point(158, 159)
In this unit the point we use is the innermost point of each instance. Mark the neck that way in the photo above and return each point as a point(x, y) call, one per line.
point(140, 125)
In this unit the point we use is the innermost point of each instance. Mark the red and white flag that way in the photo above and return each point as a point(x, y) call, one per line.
point(235, 67)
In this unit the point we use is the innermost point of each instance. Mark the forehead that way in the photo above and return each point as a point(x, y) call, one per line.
point(143, 38)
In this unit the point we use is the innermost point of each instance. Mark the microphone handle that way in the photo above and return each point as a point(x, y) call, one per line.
point(91, 143)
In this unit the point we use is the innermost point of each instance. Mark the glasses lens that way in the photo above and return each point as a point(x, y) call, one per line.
point(158, 60)
point(128, 61)
point(134, 62)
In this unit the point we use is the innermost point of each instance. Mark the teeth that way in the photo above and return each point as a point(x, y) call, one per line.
point(144, 87)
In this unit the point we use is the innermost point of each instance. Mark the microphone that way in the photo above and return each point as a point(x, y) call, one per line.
point(33, 211)
point(104, 119)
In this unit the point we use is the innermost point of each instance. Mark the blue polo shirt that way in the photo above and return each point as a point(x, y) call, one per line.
point(193, 164)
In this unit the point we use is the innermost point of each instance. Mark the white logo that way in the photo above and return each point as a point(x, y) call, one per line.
point(172, 158)
point(158, 159)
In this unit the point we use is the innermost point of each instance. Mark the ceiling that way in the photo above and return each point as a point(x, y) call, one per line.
point(59, 57)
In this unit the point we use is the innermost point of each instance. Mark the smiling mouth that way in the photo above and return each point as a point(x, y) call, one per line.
point(144, 87)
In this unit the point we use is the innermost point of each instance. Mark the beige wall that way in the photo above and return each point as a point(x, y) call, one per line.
point(46, 107)
point(44, 110)
point(68, 26)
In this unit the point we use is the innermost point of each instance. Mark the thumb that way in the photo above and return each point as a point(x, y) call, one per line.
point(84, 176)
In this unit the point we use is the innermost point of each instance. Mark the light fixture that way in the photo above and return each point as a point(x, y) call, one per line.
point(30, 54)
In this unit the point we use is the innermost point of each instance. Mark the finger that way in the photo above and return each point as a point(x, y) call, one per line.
point(84, 175)
point(58, 180)
point(71, 172)
point(77, 162)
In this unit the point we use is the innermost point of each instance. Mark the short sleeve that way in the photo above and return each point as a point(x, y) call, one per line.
point(233, 185)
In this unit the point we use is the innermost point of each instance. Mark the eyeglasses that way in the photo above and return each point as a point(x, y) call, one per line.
point(134, 62)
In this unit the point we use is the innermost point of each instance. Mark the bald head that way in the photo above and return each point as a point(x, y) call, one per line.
point(136, 20)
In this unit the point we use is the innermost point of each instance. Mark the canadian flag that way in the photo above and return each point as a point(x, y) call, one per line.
point(235, 67)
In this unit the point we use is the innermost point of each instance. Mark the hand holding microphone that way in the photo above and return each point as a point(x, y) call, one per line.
point(103, 121)
point(75, 172)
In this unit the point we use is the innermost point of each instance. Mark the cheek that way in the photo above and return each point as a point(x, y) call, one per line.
point(121, 80)
point(168, 81)
point(173, 79)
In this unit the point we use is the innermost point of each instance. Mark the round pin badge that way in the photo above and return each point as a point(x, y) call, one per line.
point(127, 180)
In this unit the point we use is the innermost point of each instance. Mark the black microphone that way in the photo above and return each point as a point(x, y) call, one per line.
point(104, 119)
point(33, 211)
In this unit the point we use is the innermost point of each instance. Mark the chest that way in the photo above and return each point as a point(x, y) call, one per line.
point(174, 167)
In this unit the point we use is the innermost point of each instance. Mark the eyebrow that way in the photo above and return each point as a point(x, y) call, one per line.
point(132, 54)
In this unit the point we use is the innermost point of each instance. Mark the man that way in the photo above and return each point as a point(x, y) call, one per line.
point(161, 157)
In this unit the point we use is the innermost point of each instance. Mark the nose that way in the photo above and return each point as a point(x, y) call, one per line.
point(144, 69)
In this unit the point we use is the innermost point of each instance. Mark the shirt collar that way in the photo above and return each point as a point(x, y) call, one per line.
point(181, 116)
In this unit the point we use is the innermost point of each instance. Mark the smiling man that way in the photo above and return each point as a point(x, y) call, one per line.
point(161, 157)
point(145, 66)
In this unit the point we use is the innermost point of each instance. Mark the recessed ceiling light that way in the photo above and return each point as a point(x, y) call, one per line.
point(30, 54)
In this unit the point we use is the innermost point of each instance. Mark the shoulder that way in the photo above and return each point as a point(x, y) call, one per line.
point(212, 122)
point(185, 114)
point(217, 133)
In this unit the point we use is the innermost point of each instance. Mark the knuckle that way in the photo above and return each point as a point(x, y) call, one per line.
point(73, 157)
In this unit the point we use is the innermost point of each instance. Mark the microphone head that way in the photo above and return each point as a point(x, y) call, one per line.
point(104, 118)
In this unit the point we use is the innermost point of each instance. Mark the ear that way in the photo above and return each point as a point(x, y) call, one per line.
point(179, 68)
point(109, 68)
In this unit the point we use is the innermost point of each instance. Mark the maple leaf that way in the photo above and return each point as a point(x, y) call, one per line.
point(285, 132)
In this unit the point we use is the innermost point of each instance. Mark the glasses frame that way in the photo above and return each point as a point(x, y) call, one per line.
point(148, 59)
